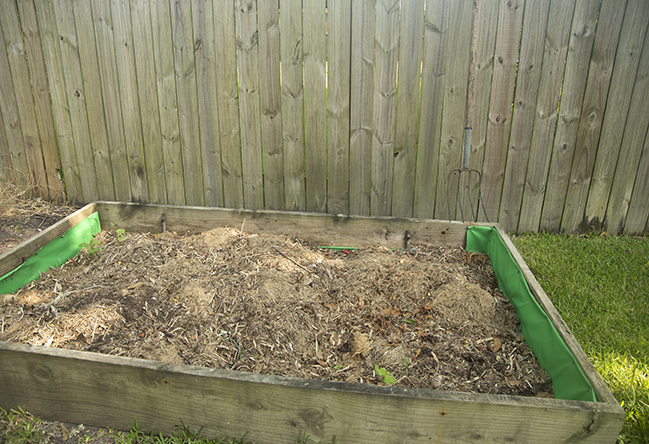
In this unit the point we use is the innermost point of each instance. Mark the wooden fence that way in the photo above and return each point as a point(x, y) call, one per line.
point(353, 107)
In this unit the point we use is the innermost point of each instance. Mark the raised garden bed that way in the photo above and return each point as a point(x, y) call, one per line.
point(115, 391)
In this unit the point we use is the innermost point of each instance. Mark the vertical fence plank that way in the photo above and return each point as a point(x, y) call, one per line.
point(129, 101)
point(411, 30)
point(487, 26)
point(167, 100)
point(270, 94)
point(502, 90)
point(248, 57)
point(580, 123)
point(292, 50)
point(457, 41)
point(109, 86)
point(41, 97)
point(338, 100)
point(76, 101)
point(629, 49)
point(11, 118)
point(561, 132)
point(6, 169)
point(531, 62)
point(361, 106)
point(635, 132)
point(386, 48)
point(545, 121)
point(23, 95)
point(143, 51)
point(638, 216)
point(204, 53)
point(94, 100)
point(60, 111)
point(430, 115)
point(228, 103)
point(315, 104)
point(183, 46)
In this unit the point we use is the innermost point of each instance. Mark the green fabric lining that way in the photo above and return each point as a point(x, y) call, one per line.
point(54, 254)
point(568, 380)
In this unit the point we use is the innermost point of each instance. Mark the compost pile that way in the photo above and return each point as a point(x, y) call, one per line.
point(425, 317)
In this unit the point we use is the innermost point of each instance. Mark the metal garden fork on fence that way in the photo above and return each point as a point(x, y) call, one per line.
point(467, 143)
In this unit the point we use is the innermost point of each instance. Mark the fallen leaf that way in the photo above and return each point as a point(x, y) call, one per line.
point(65, 432)
point(520, 337)
point(497, 345)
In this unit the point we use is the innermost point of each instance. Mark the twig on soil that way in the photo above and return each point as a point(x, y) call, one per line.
point(308, 271)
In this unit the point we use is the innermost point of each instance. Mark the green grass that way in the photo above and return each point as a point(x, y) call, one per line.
point(600, 286)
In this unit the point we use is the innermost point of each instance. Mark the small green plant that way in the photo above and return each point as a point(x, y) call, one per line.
point(387, 376)
point(92, 247)
point(405, 363)
point(121, 234)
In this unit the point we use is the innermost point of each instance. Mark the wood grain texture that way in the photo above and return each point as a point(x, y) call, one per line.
point(315, 105)
point(536, 180)
point(338, 102)
point(76, 102)
point(531, 59)
point(187, 96)
point(487, 26)
point(457, 41)
point(248, 59)
point(500, 109)
point(270, 98)
point(431, 110)
point(635, 132)
point(634, 28)
point(94, 99)
point(411, 31)
point(637, 219)
point(208, 113)
point(167, 101)
point(6, 170)
point(580, 119)
point(17, 255)
point(64, 385)
point(30, 146)
point(129, 100)
point(60, 112)
point(109, 86)
point(11, 118)
point(320, 229)
point(228, 102)
point(386, 47)
point(574, 81)
point(292, 53)
point(361, 107)
point(147, 91)
point(40, 93)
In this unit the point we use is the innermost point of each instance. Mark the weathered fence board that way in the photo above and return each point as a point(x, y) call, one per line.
point(532, 62)
point(579, 126)
point(411, 30)
point(546, 115)
point(41, 97)
point(361, 107)
point(147, 93)
point(30, 146)
point(344, 107)
point(627, 59)
point(204, 54)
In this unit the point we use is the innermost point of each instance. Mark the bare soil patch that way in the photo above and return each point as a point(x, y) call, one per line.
point(432, 317)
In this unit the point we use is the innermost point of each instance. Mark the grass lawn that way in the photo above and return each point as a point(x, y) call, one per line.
point(600, 286)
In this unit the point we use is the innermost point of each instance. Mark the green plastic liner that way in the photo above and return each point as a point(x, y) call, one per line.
point(54, 254)
point(568, 380)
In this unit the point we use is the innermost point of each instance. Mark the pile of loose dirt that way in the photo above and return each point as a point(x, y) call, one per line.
point(432, 317)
